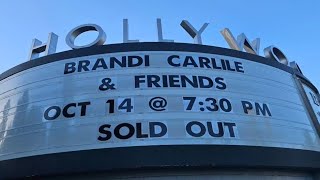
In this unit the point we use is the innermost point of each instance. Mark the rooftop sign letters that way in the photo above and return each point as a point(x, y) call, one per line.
point(240, 43)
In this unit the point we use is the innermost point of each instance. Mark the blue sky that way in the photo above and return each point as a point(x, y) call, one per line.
point(293, 26)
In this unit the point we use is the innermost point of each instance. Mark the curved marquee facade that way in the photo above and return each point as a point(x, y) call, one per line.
point(156, 106)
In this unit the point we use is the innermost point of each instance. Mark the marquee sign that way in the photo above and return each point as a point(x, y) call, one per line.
point(146, 97)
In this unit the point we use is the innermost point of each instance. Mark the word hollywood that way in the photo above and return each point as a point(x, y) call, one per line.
point(242, 42)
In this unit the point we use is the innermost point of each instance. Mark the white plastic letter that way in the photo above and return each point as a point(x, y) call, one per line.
point(196, 35)
point(241, 42)
point(160, 35)
point(126, 32)
point(48, 48)
point(75, 32)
